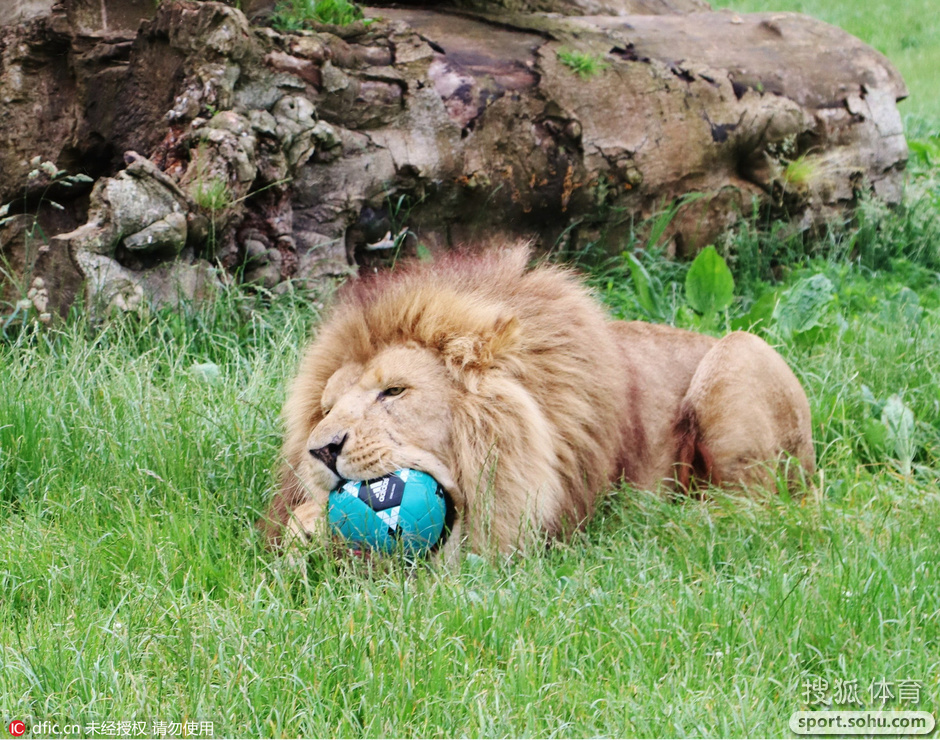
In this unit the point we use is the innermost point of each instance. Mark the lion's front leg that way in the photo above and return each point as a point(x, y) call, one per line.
point(296, 515)
point(307, 524)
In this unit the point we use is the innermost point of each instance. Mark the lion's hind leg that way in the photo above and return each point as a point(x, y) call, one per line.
point(744, 415)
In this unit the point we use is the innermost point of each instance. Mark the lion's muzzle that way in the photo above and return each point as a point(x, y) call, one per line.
point(329, 453)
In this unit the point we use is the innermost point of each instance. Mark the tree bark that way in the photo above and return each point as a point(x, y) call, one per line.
point(446, 125)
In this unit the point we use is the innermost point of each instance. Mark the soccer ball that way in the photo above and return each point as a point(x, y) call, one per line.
point(400, 512)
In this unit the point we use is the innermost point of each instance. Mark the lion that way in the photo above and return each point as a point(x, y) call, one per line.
point(514, 389)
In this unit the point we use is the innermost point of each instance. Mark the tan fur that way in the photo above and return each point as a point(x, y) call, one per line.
point(524, 400)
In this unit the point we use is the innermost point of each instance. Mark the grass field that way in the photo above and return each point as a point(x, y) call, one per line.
point(134, 457)
point(135, 589)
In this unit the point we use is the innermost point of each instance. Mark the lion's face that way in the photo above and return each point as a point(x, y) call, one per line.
point(392, 412)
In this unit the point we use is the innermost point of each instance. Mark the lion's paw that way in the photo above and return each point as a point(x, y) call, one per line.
point(307, 525)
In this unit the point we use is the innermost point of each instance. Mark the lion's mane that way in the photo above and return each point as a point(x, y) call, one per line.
point(542, 389)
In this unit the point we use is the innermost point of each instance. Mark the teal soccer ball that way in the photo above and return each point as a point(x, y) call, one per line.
point(404, 511)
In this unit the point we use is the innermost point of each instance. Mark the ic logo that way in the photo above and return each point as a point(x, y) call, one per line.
point(17, 728)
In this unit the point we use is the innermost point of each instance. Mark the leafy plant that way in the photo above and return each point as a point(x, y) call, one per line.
point(925, 152)
point(911, 230)
point(214, 197)
point(709, 286)
point(760, 251)
point(898, 420)
point(643, 285)
point(891, 431)
point(582, 64)
point(293, 15)
point(760, 315)
point(804, 306)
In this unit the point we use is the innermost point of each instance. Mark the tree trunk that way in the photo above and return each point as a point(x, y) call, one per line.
point(300, 155)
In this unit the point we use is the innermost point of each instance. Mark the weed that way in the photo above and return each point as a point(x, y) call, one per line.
point(759, 250)
point(214, 198)
point(799, 173)
point(583, 64)
point(293, 15)
point(911, 231)
point(399, 214)
point(386, 230)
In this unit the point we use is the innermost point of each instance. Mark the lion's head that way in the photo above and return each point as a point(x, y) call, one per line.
point(388, 413)
point(501, 382)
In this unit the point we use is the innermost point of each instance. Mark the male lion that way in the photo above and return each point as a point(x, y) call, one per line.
point(524, 400)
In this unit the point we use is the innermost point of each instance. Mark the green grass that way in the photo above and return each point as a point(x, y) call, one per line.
point(293, 15)
point(135, 455)
point(906, 31)
point(213, 196)
point(583, 65)
point(134, 587)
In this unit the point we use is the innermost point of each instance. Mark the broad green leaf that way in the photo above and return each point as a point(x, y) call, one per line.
point(899, 423)
point(709, 286)
point(804, 306)
point(904, 308)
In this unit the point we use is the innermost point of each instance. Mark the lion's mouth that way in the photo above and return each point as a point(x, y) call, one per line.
point(450, 520)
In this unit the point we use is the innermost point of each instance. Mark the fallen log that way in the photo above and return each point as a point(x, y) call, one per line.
point(301, 155)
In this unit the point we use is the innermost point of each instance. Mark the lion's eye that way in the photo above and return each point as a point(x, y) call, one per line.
point(395, 390)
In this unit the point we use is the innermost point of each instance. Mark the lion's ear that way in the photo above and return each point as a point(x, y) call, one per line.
point(504, 335)
point(481, 350)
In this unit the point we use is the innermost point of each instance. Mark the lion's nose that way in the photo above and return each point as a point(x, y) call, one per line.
point(329, 453)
